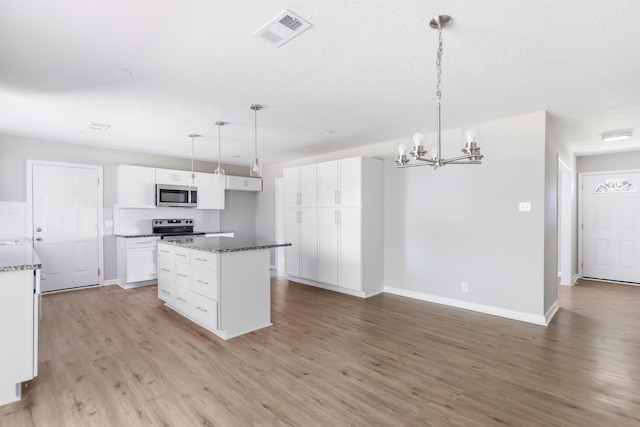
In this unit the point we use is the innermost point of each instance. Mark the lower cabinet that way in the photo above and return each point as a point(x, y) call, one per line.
point(192, 282)
point(137, 261)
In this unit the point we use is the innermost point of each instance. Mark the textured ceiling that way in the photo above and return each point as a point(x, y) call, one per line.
point(365, 70)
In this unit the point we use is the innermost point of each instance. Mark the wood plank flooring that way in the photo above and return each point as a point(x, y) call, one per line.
point(114, 357)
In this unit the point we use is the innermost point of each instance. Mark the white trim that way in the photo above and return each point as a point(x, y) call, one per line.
point(347, 291)
point(99, 170)
point(616, 282)
point(495, 311)
point(574, 279)
point(110, 282)
point(551, 312)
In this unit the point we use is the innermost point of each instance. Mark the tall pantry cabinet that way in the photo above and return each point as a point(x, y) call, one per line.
point(301, 221)
point(350, 217)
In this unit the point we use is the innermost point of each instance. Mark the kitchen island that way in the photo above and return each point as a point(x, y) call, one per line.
point(221, 283)
point(19, 293)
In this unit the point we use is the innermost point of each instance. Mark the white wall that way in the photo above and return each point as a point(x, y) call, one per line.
point(461, 222)
point(609, 162)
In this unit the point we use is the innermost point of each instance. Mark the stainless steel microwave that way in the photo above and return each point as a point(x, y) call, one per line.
point(176, 196)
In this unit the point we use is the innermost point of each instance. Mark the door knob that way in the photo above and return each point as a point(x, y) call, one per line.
point(39, 239)
point(38, 229)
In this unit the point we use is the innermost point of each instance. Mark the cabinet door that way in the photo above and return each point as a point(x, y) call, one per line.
point(350, 174)
point(142, 264)
point(327, 184)
point(309, 186)
point(244, 183)
point(291, 187)
point(292, 235)
point(309, 243)
point(210, 191)
point(136, 187)
point(327, 246)
point(350, 247)
point(172, 177)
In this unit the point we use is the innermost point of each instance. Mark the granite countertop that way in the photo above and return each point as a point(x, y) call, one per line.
point(162, 234)
point(18, 254)
point(221, 244)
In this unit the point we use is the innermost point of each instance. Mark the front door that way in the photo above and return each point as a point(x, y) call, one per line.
point(65, 225)
point(611, 227)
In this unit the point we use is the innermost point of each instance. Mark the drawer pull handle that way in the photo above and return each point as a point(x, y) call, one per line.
point(166, 292)
point(164, 269)
point(143, 243)
point(201, 259)
point(183, 275)
point(203, 282)
point(180, 299)
point(183, 256)
point(204, 310)
point(164, 250)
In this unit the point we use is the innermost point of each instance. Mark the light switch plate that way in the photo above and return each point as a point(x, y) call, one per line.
point(525, 207)
point(108, 223)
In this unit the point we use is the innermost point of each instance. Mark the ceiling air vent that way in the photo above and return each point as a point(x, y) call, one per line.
point(282, 28)
point(97, 126)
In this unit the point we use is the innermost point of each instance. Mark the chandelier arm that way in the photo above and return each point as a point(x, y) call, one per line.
point(461, 160)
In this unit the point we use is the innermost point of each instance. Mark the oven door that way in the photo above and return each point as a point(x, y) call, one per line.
point(176, 196)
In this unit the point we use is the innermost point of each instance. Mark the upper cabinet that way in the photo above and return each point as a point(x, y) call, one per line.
point(210, 191)
point(244, 183)
point(136, 186)
point(340, 183)
point(172, 177)
point(301, 187)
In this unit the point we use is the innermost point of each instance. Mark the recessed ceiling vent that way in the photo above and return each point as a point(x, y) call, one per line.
point(97, 126)
point(282, 28)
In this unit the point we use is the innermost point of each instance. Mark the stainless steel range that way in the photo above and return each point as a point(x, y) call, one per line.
point(174, 227)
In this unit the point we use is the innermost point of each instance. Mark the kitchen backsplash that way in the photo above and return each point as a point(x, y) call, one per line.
point(13, 219)
point(127, 221)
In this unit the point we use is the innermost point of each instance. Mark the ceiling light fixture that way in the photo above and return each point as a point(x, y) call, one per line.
point(97, 126)
point(192, 178)
point(256, 166)
point(219, 172)
point(471, 149)
point(616, 135)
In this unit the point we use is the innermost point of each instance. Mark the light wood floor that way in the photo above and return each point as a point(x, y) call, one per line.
point(113, 357)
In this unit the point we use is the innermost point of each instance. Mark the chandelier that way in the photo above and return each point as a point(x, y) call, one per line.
point(471, 150)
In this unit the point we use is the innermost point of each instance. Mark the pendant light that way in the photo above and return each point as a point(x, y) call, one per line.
point(471, 150)
point(256, 166)
point(219, 172)
point(192, 178)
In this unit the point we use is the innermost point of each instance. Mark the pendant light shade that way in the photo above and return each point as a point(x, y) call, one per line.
point(219, 172)
point(192, 178)
point(256, 167)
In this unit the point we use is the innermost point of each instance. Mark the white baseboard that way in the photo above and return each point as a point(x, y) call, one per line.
point(328, 287)
point(551, 312)
point(495, 311)
point(110, 282)
point(574, 279)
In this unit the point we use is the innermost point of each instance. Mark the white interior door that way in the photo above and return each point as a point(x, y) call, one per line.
point(611, 227)
point(65, 225)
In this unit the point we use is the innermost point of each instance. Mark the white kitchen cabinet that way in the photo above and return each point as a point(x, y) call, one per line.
point(340, 182)
point(301, 187)
point(350, 227)
point(136, 186)
point(301, 230)
point(137, 261)
point(172, 177)
point(244, 183)
point(210, 191)
point(19, 293)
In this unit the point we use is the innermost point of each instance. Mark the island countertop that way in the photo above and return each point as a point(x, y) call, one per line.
point(18, 254)
point(221, 244)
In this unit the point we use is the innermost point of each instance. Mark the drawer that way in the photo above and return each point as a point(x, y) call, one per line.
point(165, 251)
point(204, 259)
point(205, 310)
point(205, 282)
point(165, 267)
point(166, 291)
point(183, 300)
point(142, 242)
point(183, 275)
point(182, 254)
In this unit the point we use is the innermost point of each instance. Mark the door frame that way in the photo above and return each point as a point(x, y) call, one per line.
point(581, 176)
point(565, 224)
point(99, 170)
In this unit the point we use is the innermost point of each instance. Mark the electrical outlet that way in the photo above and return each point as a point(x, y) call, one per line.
point(464, 286)
point(524, 207)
